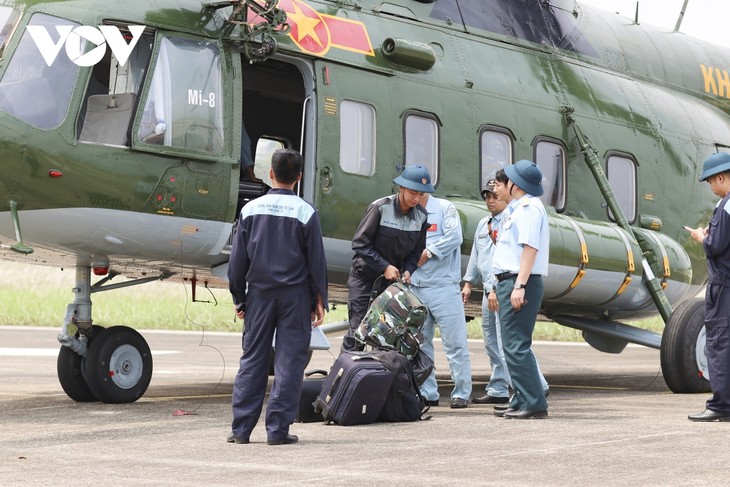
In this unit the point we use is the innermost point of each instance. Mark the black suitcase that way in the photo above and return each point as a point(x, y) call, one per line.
point(355, 389)
point(311, 387)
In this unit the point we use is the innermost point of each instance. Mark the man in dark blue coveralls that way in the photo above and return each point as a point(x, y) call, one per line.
point(715, 240)
point(389, 240)
point(278, 278)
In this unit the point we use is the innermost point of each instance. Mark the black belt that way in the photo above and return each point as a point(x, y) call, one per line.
point(504, 275)
point(508, 275)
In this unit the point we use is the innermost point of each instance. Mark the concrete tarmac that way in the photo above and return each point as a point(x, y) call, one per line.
point(612, 422)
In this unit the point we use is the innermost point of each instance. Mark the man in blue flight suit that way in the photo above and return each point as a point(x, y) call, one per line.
point(436, 284)
point(519, 264)
point(389, 240)
point(277, 275)
point(715, 240)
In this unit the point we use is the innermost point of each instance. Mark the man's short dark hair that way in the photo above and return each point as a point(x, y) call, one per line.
point(287, 165)
point(501, 177)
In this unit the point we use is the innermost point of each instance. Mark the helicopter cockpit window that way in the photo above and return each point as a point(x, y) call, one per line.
point(496, 154)
point(621, 174)
point(184, 105)
point(550, 158)
point(32, 90)
point(422, 143)
point(357, 138)
point(8, 20)
point(112, 93)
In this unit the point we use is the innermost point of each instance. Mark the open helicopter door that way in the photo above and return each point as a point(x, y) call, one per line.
point(278, 112)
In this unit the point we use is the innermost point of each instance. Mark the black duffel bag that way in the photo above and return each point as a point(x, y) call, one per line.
point(404, 401)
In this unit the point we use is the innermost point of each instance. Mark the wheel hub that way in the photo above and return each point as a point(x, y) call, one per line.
point(701, 354)
point(126, 366)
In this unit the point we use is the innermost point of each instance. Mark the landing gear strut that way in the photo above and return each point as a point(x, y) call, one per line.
point(112, 365)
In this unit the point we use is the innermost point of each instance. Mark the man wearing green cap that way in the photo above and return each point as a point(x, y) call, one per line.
point(519, 264)
point(389, 240)
point(715, 240)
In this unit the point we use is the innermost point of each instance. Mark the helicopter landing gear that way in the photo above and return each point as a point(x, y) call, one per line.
point(112, 365)
point(683, 357)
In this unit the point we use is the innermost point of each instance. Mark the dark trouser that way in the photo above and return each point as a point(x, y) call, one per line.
point(717, 318)
point(358, 301)
point(517, 328)
point(290, 316)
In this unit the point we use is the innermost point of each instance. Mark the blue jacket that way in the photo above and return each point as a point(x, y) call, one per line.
point(443, 239)
point(717, 244)
point(482, 251)
point(278, 249)
point(387, 236)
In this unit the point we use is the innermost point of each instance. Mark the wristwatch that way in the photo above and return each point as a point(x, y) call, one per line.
point(519, 286)
point(428, 254)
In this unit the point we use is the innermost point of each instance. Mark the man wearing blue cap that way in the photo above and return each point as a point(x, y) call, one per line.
point(520, 262)
point(715, 240)
point(389, 240)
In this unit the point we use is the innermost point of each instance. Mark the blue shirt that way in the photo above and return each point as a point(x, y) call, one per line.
point(482, 251)
point(278, 249)
point(443, 240)
point(524, 223)
point(717, 244)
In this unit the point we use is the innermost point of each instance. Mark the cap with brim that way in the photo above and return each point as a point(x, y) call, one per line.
point(526, 176)
point(715, 164)
point(415, 178)
point(489, 189)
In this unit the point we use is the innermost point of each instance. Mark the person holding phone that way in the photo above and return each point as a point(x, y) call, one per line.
point(715, 240)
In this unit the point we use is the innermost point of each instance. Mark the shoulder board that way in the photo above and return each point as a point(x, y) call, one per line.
point(525, 202)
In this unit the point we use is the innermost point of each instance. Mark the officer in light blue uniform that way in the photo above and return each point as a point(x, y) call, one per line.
point(520, 263)
point(480, 268)
point(436, 283)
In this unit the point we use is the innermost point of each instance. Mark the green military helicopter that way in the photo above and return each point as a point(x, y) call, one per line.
point(122, 124)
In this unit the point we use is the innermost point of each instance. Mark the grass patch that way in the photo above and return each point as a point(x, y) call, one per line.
point(38, 296)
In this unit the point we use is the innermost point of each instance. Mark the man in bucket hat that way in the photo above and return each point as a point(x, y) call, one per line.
point(480, 268)
point(519, 264)
point(389, 240)
point(715, 240)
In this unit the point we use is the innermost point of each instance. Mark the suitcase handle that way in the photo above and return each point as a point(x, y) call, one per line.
point(321, 372)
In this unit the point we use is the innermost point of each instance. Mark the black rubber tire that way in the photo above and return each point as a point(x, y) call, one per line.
point(70, 370)
point(679, 348)
point(118, 365)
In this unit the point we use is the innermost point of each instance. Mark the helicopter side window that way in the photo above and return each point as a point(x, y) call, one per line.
point(184, 104)
point(422, 143)
point(621, 174)
point(495, 153)
point(550, 158)
point(357, 138)
point(9, 18)
point(30, 89)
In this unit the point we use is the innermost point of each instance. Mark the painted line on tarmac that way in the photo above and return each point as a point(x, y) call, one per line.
point(593, 388)
point(53, 352)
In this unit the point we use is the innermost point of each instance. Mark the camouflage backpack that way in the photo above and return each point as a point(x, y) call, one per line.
point(394, 320)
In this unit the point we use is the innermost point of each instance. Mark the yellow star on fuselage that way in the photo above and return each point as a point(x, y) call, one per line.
point(305, 25)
